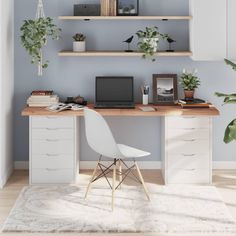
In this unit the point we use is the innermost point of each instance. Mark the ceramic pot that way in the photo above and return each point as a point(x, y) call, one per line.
point(79, 46)
point(189, 94)
point(153, 42)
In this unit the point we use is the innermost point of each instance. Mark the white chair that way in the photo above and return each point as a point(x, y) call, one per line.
point(101, 140)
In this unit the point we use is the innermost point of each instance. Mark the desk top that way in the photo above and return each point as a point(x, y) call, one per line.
point(159, 111)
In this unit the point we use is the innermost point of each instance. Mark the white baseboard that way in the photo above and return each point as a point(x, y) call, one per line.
point(5, 176)
point(21, 165)
point(149, 165)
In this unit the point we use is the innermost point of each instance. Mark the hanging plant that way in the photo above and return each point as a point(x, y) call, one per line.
point(35, 34)
point(230, 132)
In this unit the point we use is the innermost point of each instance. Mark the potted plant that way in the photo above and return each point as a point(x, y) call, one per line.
point(230, 132)
point(35, 34)
point(148, 41)
point(79, 45)
point(189, 82)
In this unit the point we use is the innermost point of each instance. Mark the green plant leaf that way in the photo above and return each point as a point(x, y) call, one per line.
point(230, 63)
point(230, 132)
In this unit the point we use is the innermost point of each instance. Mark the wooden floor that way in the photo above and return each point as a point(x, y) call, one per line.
point(225, 181)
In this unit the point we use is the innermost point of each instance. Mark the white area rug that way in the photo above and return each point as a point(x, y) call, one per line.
point(173, 209)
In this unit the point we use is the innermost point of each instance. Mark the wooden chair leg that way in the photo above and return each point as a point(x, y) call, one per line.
point(141, 179)
point(92, 178)
point(120, 172)
point(113, 184)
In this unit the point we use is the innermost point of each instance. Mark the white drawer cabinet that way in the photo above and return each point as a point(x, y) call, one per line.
point(53, 149)
point(186, 150)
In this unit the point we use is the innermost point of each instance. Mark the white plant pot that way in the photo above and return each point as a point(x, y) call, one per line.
point(79, 46)
point(153, 42)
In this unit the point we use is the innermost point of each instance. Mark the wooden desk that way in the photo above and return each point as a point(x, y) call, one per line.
point(160, 111)
point(186, 143)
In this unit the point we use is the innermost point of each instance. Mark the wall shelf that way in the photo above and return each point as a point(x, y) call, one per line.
point(125, 17)
point(121, 54)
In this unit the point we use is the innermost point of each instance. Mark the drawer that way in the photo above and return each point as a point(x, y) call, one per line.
point(52, 176)
point(188, 146)
point(189, 161)
point(187, 134)
point(52, 146)
point(52, 133)
point(188, 122)
point(52, 122)
point(188, 176)
point(52, 161)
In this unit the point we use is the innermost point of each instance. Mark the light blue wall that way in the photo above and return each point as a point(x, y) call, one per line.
point(73, 76)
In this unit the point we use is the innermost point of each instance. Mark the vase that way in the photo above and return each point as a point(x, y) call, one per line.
point(79, 46)
point(189, 95)
point(153, 42)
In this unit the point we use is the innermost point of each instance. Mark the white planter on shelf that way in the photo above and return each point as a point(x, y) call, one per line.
point(79, 46)
point(153, 43)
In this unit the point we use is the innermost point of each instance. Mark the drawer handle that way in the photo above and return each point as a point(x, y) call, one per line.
point(188, 155)
point(51, 117)
point(189, 128)
point(52, 140)
point(52, 128)
point(190, 169)
point(189, 140)
point(52, 155)
point(189, 117)
point(51, 169)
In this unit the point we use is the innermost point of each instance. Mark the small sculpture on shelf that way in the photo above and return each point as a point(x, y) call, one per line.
point(170, 40)
point(128, 41)
point(79, 45)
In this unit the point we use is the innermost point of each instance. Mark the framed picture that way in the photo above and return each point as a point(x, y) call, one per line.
point(127, 7)
point(165, 89)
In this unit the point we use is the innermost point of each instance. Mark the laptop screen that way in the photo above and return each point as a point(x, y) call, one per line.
point(114, 90)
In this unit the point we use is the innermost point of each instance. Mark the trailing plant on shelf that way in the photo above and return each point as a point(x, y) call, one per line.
point(79, 44)
point(230, 131)
point(35, 34)
point(149, 41)
point(189, 82)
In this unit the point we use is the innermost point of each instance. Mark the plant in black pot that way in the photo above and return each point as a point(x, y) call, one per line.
point(189, 82)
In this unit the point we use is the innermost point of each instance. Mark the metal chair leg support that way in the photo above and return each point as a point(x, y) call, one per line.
point(113, 184)
point(120, 172)
point(141, 179)
point(92, 177)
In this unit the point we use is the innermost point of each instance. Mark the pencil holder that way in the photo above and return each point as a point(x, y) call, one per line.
point(145, 99)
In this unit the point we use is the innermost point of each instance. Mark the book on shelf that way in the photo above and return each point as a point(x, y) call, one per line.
point(42, 93)
point(108, 7)
point(195, 103)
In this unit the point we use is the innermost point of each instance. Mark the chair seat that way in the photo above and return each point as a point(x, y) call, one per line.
point(130, 152)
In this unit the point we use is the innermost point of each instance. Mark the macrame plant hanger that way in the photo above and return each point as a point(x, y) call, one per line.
point(40, 14)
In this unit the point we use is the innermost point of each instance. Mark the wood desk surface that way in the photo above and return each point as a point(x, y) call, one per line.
point(159, 111)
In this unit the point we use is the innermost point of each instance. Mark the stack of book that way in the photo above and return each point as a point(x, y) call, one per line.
point(108, 7)
point(42, 98)
point(195, 103)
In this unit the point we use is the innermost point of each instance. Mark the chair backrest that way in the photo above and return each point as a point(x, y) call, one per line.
point(99, 135)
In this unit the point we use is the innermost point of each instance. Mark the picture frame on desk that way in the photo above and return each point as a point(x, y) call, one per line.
point(165, 89)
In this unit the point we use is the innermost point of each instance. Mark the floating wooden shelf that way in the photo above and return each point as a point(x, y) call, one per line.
point(125, 17)
point(121, 54)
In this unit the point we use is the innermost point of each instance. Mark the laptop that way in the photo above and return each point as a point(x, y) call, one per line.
point(114, 92)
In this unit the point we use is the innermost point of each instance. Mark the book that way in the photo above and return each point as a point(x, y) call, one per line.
point(195, 103)
point(42, 92)
point(43, 98)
